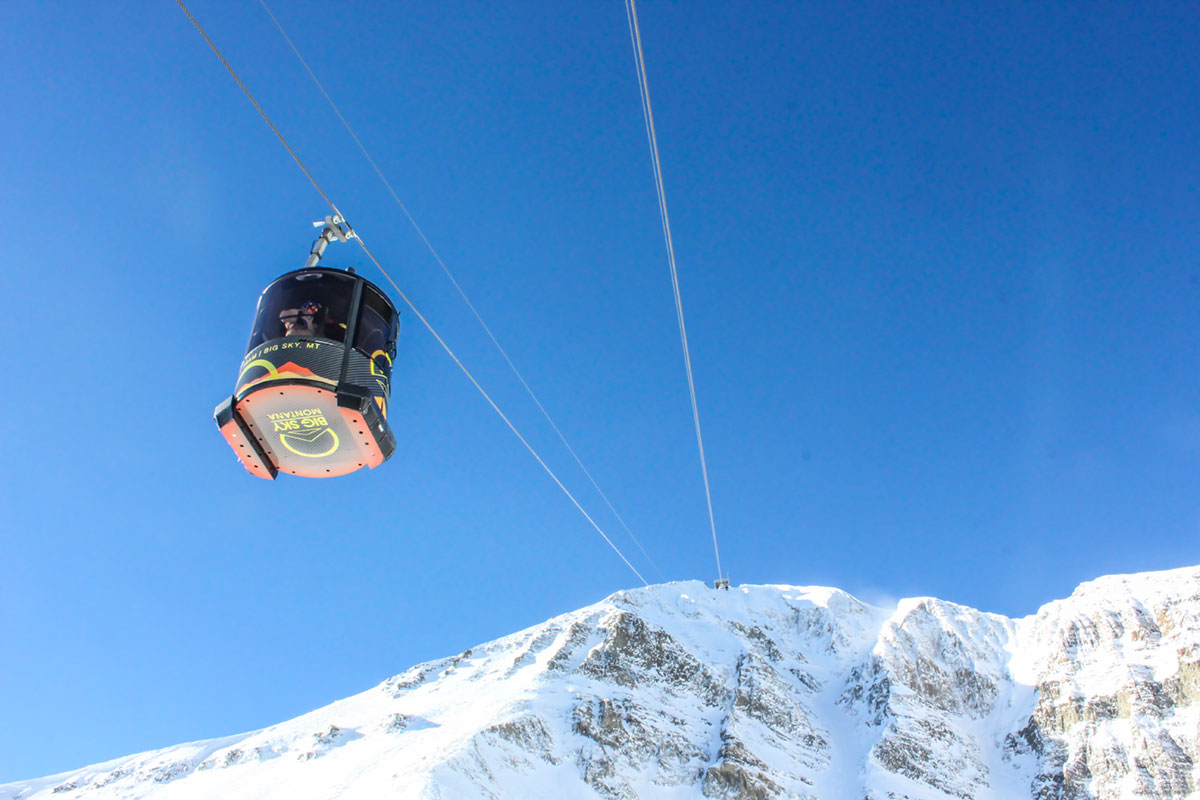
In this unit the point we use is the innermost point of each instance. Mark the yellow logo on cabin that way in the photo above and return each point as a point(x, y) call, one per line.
point(305, 432)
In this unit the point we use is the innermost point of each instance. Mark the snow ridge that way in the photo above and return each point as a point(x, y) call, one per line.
point(681, 691)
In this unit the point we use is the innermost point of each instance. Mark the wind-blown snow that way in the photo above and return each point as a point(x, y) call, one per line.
point(681, 691)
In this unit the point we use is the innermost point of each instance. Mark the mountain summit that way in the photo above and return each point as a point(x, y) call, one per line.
point(682, 691)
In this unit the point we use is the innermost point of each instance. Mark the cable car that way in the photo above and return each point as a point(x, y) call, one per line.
point(311, 397)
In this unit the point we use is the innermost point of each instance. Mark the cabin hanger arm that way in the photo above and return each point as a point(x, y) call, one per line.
point(335, 228)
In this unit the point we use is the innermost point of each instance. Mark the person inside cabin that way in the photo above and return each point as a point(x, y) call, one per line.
point(301, 321)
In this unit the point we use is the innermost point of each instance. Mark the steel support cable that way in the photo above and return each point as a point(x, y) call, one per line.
point(635, 36)
point(404, 297)
point(461, 293)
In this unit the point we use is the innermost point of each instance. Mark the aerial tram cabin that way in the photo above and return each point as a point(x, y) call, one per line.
point(311, 396)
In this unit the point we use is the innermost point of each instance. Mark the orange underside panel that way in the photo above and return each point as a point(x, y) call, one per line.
point(304, 432)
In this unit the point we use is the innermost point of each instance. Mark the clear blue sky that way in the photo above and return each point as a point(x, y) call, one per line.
point(940, 264)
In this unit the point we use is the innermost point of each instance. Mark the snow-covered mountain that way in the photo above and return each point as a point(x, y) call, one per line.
point(683, 691)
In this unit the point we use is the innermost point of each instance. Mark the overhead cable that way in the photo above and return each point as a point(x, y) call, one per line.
point(635, 36)
point(405, 298)
point(461, 293)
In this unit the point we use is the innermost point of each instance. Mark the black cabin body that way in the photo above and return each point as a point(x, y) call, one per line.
point(312, 393)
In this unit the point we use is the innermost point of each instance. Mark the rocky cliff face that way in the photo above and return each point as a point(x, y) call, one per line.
point(680, 691)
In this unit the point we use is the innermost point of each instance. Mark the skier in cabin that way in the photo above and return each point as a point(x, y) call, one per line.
point(300, 321)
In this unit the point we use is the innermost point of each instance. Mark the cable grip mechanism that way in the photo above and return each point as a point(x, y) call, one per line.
point(334, 228)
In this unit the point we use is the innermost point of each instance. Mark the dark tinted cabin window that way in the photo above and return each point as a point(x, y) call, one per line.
point(309, 304)
point(376, 333)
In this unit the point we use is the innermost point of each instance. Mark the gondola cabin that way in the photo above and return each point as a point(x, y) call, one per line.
point(311, 397)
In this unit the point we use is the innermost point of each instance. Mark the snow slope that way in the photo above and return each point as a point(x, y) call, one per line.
point(680, 691)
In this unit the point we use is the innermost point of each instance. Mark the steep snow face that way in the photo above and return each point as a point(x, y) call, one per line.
point(680, 691)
